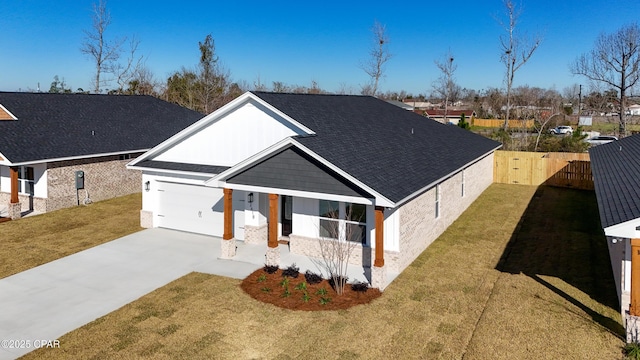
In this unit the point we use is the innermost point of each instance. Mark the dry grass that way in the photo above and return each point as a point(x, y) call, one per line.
point(36, 240)
point(542, 302)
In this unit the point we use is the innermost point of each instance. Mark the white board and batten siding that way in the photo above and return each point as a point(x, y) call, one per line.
point(232, 138)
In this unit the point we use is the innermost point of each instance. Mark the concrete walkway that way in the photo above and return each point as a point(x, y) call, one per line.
point(50, 300)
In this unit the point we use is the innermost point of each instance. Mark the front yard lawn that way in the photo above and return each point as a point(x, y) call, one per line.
point(39, 239)
point(481, 291)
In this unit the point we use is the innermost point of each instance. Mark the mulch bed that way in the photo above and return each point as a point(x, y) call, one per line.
point(290, 294)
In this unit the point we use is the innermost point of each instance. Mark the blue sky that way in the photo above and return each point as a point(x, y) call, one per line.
point(299, 42)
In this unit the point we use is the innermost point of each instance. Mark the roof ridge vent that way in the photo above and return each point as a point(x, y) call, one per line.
point(6, 114)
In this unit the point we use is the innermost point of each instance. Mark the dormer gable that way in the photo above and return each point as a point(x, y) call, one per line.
point(6, 114)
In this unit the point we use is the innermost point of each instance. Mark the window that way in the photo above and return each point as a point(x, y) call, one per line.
point(437, 201)
point(343, 220)
point(462, 193)
point(26, 180)
point(125, 156)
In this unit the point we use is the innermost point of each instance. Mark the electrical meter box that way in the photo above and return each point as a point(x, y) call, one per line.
point(79, 179)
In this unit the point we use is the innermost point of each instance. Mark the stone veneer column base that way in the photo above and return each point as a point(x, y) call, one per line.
point(272, 258)
point(146, 219)
point(227, 248)
point(15, 211)
point(256, 234)
point(633, 328)
point(379, 277)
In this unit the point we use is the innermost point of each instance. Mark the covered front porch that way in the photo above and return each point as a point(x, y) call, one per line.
point(284, 224)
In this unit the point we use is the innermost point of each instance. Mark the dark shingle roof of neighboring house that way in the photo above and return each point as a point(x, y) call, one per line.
point(393, 151)
point(167, 165)
point(54, 126)
point(616, 174)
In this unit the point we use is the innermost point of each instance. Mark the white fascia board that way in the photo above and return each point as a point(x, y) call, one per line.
point(626, 229)
point(441, 179)
point(168, 171)
point(4, 160)
point(40, 161)
point(220, 180)
point(8, 112)
point(297, 193)
point(212, 118)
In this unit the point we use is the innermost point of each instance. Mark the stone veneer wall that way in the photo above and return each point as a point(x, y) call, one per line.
point(105, 177)
point(36, 204)
point(361, 255)
point(418, 224)
point(256, 234)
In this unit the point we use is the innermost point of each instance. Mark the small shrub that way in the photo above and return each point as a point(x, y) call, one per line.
point(284, 283)
point(312, 278)
point(325, 300)
point(266, 289)
point(632, 351)
point(262, 278)
point(360, 287)
point(270, 269)
point(292, 271)
point(306, 297)
point(286, 293)
point(301, 286)
point(321, 292)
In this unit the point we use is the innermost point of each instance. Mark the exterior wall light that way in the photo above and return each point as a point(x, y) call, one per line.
point(147, 186)
point(250, 198)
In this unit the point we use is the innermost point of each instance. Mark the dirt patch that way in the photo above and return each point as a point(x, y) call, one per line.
point(296, 293)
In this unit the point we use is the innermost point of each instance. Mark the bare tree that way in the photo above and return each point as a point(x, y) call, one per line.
point(515, 50)
point(445, 85)
point(615, 62)
point(379, 55)
point(103, 52)
point(126, 72)
point(339, 237)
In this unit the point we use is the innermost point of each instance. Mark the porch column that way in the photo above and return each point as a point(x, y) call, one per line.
point(633, 318)
point(379, 271)
point(273, 252)
point(15, 208)
point(227, 245)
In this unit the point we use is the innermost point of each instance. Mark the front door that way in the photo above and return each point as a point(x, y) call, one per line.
point(286, 214)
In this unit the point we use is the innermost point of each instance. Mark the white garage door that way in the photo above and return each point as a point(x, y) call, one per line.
point(197, 209)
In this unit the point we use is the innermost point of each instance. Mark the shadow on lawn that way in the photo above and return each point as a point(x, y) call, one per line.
point(559, 235)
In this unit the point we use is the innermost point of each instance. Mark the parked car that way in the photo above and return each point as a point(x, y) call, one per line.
point(599, 140)
point(562, 130)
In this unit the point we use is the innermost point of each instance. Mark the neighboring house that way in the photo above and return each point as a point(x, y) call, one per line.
point(61, 150)
point(419, 105)
point(633, 110)
point(400, 104)
point(270, 166)
point(452, 116)
point(616, 175)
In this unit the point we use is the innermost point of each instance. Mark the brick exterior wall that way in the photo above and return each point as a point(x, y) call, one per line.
point(105, 178)
point(256, 234)
point(419, 226)
point(37, 204)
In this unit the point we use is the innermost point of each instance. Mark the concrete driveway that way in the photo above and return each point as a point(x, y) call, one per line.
point(50, 300)
point(40, 305)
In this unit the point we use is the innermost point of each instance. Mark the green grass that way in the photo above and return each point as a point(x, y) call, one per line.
point(36, 240)
point(523, 274)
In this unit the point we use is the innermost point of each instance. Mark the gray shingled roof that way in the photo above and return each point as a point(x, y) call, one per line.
point(394, 151)
point(616, 174)
point(52, 126)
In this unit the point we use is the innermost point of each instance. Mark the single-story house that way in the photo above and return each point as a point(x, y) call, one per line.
point(268, 167)
point(616, 175)
point(61, 150)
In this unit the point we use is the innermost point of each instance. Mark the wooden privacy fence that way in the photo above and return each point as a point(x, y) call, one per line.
point(495, 123)
point(531, 168)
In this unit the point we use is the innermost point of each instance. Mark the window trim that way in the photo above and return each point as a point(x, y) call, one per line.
point(438, 198)
point(342, 221)
point(24, 180)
